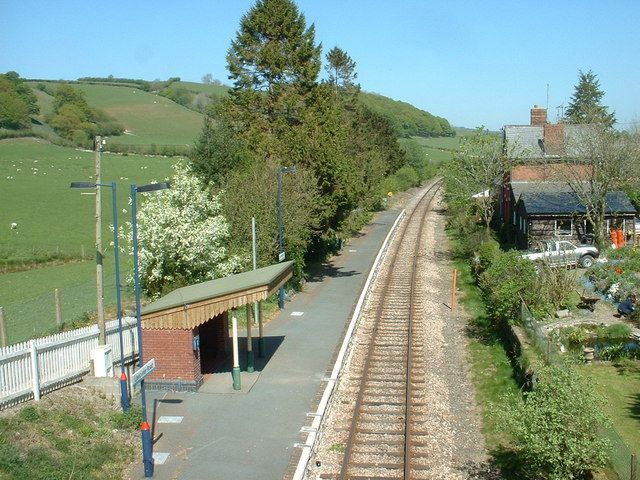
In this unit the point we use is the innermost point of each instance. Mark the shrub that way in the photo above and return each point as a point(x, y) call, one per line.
point(508, 280)
point(486, 255)
point(556, 285)
point(556, 427)
point(614, 332)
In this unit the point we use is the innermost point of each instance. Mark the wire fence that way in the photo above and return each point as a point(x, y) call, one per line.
point(37, 315)
point(622, 458)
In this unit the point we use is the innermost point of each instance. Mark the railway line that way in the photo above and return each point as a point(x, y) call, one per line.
point(377, 426)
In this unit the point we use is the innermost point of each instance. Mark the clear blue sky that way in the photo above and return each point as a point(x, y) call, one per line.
point(474, 63)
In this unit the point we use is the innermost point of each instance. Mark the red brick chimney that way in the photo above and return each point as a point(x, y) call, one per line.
point(538, 115)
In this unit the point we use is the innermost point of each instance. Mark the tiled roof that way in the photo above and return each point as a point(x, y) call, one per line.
point(556, 198)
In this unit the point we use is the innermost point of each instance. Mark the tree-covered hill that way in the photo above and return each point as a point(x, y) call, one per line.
point(407, 120)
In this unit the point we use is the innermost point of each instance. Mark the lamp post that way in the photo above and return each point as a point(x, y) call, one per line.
point(124, 391)
point(147, 444)
point(281, 254)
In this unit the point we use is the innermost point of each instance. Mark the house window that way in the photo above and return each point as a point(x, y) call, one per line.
point(514, 218)
point(564, 228)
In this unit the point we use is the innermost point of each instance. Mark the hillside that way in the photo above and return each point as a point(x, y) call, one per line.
point(166, 117)
point(148, 119)
point(407, 120)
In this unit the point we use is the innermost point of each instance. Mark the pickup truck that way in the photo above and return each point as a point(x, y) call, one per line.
point(561, 253)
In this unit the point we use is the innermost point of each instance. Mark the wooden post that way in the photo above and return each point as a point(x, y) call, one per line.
point(3, 329)
point(453, 291)
point(634, 468)
point(102, 337)
point(82, 251)
point(56, 298)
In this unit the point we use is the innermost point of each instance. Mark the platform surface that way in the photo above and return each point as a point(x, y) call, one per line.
point(250, 434)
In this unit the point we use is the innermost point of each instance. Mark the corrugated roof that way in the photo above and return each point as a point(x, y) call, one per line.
point(188, 307)
point(556, 198)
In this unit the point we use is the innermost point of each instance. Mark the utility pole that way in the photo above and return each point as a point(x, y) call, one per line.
point(102, 338)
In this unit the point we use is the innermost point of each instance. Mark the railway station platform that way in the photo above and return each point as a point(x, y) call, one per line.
point(221, 433)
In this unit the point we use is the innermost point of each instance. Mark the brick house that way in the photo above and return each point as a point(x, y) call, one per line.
point(535, 198)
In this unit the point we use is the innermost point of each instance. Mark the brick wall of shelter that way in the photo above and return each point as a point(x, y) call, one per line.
point(174, 354)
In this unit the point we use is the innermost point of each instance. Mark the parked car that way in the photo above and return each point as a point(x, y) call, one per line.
point(562, 253)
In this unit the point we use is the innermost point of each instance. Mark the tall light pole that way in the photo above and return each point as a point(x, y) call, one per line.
point(124, 391)
point(102, 337)
point(147, 444)
point(281, 254)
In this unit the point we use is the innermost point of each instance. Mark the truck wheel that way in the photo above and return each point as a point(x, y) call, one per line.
point(586, 261)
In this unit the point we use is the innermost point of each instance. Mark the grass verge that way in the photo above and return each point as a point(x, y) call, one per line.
point(69, 434)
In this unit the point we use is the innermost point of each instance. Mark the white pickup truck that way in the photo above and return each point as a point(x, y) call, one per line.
point(561, 253)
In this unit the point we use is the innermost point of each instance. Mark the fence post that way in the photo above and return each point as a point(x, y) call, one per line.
point(634, 470)
point(35, 377)
point(56, 298)
point(3, 329)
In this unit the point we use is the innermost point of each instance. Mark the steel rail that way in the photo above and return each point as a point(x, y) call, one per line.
point(343, 475)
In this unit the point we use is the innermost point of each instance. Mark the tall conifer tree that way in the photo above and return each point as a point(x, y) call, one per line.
point(586, 102)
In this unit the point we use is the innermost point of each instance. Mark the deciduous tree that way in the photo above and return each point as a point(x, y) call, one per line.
point(474, 172)
point(601, 161)
point(182, 235)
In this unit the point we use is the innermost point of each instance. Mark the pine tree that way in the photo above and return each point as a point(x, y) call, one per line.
point(585, 105)
point(273, 49)
point(341, 69)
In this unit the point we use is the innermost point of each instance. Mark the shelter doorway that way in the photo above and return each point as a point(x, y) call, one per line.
point(214, 344)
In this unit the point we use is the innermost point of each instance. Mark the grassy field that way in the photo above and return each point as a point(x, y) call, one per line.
point(35, 194)
point(148, 118)
point(620, 385)
point(448, 143)
point(53, 219)
point(208, 88)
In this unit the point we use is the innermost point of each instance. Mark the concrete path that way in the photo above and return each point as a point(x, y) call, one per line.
point(218, 433)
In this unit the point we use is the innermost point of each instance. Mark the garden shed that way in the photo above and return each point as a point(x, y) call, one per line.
point(188, 328)
point(545, 210)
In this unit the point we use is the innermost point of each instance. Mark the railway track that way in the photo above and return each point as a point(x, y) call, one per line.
point(377, 427)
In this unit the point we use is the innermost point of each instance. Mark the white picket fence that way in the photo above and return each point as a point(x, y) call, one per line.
point(32, 368)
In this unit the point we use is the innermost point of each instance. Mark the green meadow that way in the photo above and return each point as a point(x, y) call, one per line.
point(35, 194)
point(55, 221)
point(148, 118)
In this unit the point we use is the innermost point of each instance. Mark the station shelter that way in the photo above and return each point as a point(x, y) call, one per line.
point(188, 328)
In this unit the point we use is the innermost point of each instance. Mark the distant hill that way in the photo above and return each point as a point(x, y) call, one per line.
point(407, 120)
point(149, 119)
point(166, 116)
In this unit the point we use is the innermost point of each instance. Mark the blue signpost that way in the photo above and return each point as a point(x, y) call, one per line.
point(147, 443)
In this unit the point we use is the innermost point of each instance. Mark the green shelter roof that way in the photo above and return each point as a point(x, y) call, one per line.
point(188, 307)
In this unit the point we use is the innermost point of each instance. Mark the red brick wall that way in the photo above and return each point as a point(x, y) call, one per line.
point(173, 351)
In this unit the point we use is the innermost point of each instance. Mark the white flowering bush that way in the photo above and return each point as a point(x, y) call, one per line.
point(181, 235)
